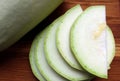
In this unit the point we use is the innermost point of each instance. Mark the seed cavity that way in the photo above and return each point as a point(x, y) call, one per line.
point(99, 31)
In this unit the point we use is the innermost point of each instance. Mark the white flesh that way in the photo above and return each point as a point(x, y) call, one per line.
point(110, 46)
point(55, 60)
point(45, 69)
point(34, 68)
point(88, 46)
point(62, 37)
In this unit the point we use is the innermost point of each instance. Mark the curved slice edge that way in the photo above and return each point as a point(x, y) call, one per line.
point(62, 36)
point(74, 38)
point(34, 68)
point(55, 60)
point(42, 64)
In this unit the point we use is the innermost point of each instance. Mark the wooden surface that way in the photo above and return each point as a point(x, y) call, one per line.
point(14, 62)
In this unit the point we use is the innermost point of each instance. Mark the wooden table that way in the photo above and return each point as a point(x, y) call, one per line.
point(14, 62)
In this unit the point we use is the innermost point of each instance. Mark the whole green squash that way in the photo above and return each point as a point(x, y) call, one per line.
point(17, 17)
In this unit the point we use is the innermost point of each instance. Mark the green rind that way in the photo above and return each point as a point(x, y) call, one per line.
point(34, 68)
point(50, 75)
point(71, 14)
point(112, 41)
point(73, 45)
point(71, 71)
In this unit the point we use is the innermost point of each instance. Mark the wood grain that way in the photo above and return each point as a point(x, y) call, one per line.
point(14, 62)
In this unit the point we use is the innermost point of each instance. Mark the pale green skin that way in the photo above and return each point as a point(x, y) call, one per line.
point(17, 17)
point(75, 32)
point(34, 68)
point(55, 60)
point(62, 36)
